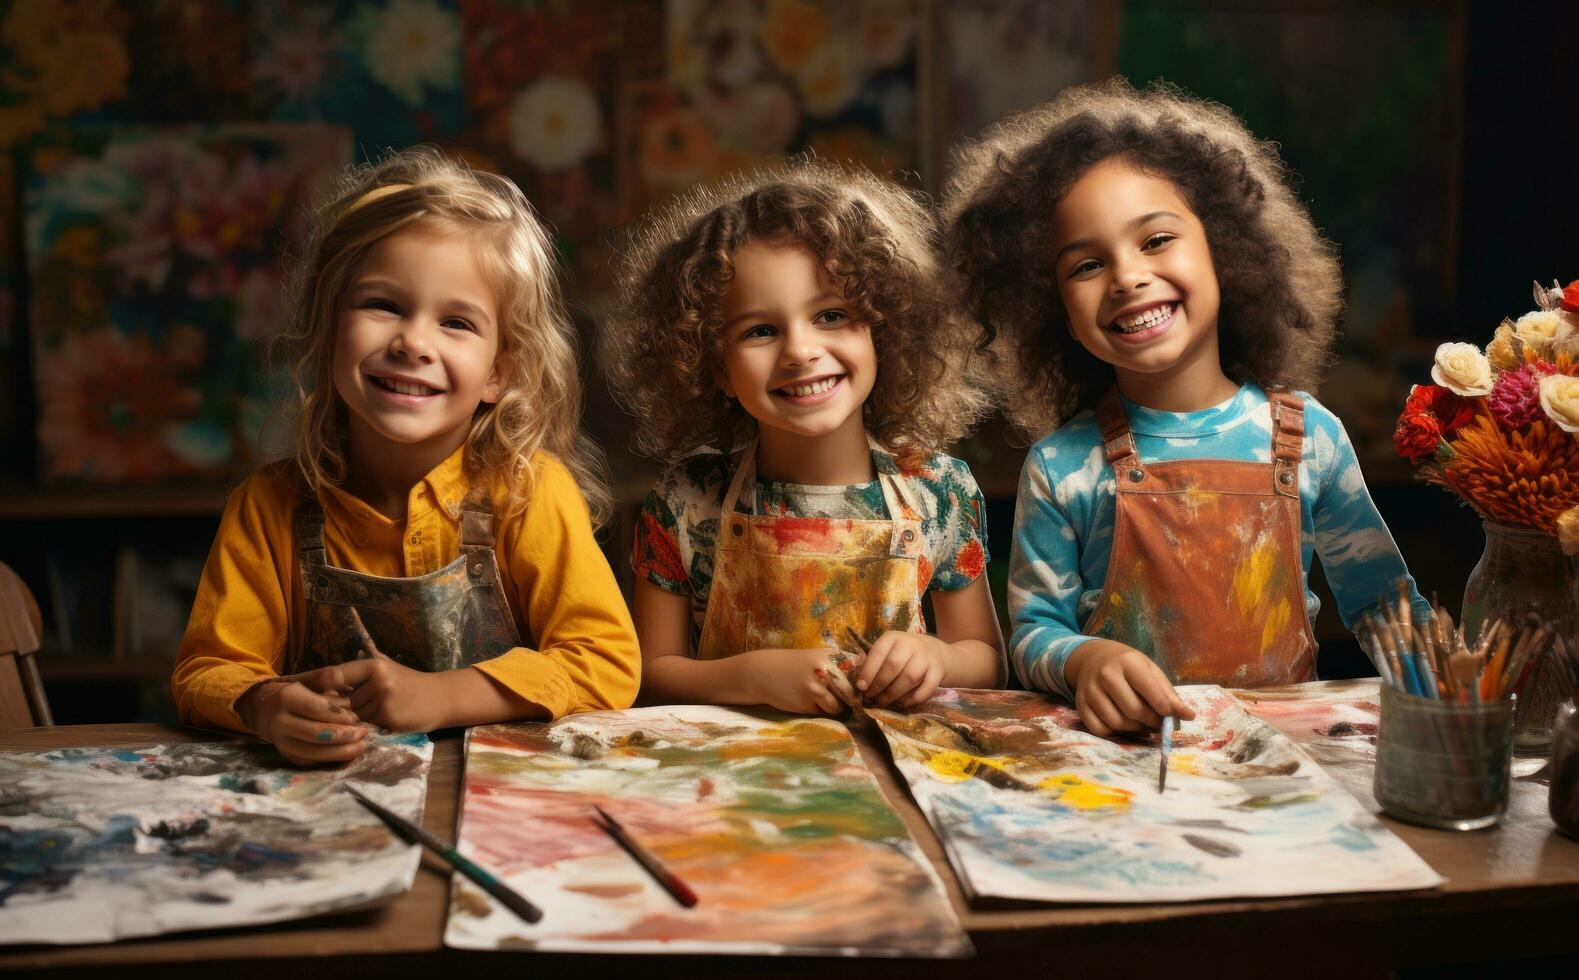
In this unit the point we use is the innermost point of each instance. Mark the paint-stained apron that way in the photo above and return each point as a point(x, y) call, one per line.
point(452, 617)
point(1206, 576)
point(797, 582)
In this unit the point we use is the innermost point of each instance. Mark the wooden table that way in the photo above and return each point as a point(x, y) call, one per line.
point(1512, 891)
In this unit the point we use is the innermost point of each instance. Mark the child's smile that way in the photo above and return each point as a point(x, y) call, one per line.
point(1145, 322)
point(813, 391)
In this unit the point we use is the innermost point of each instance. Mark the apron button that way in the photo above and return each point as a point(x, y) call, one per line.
point(477, 569)
point(1285, 478)
point(323, 581)
point(908, 536)
point(737, 529)
point(1135, 476)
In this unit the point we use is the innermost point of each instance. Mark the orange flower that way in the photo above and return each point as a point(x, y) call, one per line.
point(1526, 479)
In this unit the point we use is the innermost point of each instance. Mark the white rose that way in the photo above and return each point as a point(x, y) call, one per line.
point(1542, 330)
point(1560, 400)
point(1462, 369)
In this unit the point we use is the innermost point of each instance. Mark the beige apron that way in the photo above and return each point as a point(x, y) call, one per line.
point(798, 582)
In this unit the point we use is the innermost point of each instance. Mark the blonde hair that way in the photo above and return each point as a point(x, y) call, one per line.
point(1281, 286)
point(874, 238)
point(539, 405)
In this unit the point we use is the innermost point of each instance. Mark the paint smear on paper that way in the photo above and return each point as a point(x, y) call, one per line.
point(773, 820)
point(1067, 816)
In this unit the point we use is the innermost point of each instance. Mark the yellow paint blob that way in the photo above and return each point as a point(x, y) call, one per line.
point(1081, 794)
point(1184, 762)
point(1253, 574)
point(956, 767)
point(1114, 599)
point(1276, 619)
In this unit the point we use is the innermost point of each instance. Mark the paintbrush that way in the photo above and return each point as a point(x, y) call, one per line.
point(413, 834)
point(649, 861)
point(369, 648)
point(1167, 746)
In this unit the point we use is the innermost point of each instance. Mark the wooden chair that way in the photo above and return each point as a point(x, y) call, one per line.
point(22, 700)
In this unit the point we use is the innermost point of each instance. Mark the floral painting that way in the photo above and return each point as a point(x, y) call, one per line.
point(155, 259)
point(748, 81)
point(1003, 56)
point(100, 844)
point(1029, 805)
point(773, 821)
point(543, 84)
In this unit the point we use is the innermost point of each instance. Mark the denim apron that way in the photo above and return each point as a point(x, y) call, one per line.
point(452, 617)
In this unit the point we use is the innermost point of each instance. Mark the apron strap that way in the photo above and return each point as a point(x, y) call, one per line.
point(309, 532)
point(898, 496)
point(745, 478)
point(477, 519)
point(1288, 441)
point(1117, 441)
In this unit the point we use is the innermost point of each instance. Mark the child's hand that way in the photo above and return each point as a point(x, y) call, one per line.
point(793, 680)
point(1119, 689)
point(389, 694)
point(306, 724)
point(902, 667)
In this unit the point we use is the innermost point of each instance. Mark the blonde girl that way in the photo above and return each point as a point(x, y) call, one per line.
point(424, 558)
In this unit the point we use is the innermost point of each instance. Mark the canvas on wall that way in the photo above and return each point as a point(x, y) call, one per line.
point(156, 272)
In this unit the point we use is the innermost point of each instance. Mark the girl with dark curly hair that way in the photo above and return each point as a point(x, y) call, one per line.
point(1148, 283)
point(784, 344)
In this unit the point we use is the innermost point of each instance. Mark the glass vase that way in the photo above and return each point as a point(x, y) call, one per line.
point(1524, 571)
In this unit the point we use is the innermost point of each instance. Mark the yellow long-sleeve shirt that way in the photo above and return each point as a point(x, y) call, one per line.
point(248, 618)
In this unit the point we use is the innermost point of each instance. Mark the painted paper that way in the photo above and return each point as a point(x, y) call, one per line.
point(773, 821)
point(104, 844)
point(1031, 806)
point(1334, 722)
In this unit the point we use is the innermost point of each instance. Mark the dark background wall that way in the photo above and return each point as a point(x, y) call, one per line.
point(158, 157)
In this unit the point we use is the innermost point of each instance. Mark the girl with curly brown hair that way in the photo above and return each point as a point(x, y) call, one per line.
point(785, 347)
point(1150, 285)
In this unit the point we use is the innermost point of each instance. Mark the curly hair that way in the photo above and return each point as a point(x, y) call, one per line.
point(539, 407)
point(1280, 283)
point(665, 341)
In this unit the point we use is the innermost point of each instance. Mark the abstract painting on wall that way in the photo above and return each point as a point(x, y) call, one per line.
point(1031, 806)
point(774, 821)
point(155, 258)
point(104, 844)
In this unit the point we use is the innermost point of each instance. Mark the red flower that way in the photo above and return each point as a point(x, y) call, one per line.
point(1450, 411)
point(1416, 436)
point(1571, 297)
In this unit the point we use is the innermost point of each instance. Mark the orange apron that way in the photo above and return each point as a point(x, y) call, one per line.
point(1206, 576)
point(797, 582)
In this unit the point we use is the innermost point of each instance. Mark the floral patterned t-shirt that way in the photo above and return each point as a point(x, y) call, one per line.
point(678, 523)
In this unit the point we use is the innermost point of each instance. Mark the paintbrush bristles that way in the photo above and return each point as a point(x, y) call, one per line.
point(1429, 656)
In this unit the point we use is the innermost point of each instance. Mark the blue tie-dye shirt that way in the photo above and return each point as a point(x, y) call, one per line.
point(1063, 523)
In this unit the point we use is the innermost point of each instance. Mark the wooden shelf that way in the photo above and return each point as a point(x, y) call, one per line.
point(64, 502)
point(63, 667)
